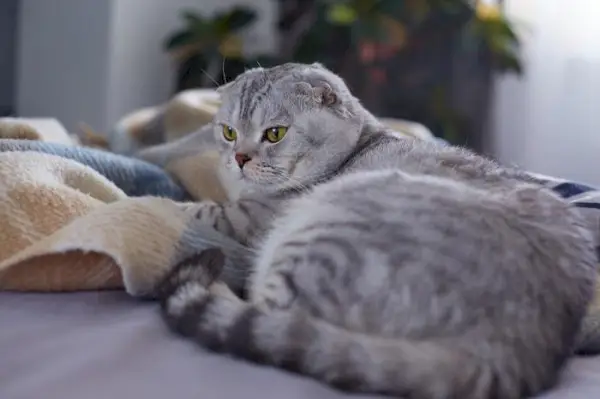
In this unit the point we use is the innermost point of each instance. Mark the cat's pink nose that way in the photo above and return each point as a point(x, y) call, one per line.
point(241, 159)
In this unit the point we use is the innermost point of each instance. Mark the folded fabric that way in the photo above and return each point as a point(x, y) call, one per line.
point(66, 227)
point(41, 129)
point(188, 158)
point(135, 177)
point(183, 114)
point(70, 222)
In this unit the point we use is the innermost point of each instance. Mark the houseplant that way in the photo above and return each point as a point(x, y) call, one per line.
point(207, 47)
point(430, 61)
point(425, 60)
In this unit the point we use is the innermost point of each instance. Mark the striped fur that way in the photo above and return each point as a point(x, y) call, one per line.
point(382, 264)
point(294, 341)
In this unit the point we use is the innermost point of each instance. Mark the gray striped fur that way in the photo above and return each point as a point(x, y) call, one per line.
point(384, 264)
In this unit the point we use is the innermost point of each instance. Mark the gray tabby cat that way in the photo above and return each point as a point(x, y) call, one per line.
point(383, 264)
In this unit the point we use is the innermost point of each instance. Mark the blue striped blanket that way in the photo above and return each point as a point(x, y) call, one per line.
point(134, 176)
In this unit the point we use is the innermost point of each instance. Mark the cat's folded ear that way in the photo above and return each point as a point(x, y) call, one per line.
point(321, 92)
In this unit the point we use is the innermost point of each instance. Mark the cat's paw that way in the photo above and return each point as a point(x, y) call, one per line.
point(207, 212)
point(203, 268)
point(179, 307)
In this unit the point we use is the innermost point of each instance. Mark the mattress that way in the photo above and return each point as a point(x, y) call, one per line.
point(106, 345)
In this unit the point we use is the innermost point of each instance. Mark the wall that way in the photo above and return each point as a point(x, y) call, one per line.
point(61, 60)
point(548, 120)
point(95, 60)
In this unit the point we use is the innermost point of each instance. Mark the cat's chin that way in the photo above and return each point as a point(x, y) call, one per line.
point(250, 182)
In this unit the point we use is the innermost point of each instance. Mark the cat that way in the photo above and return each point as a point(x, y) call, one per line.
point(382, 264)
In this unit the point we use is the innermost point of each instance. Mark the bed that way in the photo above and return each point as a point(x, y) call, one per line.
point(107, 345)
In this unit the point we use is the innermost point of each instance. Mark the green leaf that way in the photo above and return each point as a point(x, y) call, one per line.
point(192, 18)
point(178, 39)
point(225, 23)
point(341, 14)
point(508, 63)
point(241, 17)
point(506, 30)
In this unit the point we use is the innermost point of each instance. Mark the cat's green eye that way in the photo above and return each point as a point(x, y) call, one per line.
point(229, 133)
point(275, 134)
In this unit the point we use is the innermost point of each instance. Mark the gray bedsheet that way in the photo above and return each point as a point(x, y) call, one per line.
point(108, 346)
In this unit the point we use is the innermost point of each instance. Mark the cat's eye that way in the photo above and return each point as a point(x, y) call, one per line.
point(275, 134)
point(229, 133)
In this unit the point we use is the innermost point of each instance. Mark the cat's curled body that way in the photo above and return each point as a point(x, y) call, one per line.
point(384, 264)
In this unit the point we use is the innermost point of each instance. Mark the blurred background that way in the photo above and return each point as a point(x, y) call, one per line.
point(516, 79)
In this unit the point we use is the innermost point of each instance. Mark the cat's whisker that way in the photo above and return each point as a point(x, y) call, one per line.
point(210, 77)
point(223, 71)
point(293, 182)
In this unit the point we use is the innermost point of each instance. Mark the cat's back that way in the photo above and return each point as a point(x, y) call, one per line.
point(427, 227)
point(388, 150)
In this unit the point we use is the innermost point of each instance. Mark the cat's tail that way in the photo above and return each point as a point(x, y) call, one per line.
point(301, 343)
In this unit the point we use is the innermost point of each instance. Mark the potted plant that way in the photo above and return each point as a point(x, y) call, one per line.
point(426, 60)
point(203, 44)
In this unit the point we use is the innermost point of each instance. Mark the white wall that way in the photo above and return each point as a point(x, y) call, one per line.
point(61, 60)
point(95, 60)
point(549, 119)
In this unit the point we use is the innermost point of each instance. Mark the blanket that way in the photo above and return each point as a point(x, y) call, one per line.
point(43, 129)
point(66, 227)
point(81, 219)
point(134, 176)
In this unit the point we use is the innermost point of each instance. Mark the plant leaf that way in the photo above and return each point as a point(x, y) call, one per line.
point(225, 23)
point(179, 39)
point(508, 63)
point(192, 18)
point(341, 14)
point(241, 17)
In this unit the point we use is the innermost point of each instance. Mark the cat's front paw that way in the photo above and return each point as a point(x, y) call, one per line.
point(202, 268)
point(207, 212)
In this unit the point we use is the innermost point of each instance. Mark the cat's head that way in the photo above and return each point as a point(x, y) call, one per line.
point(286, 125)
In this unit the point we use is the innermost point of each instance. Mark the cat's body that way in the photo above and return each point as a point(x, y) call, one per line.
point(384, 264)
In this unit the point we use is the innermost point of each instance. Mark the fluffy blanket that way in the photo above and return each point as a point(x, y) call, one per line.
point(134, 176)
point(75, 218)
point(66, 227)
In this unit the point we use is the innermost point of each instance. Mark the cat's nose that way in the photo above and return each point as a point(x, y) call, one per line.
point(241, 159)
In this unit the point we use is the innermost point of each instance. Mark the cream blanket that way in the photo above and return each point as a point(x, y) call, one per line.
point(66, 227)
